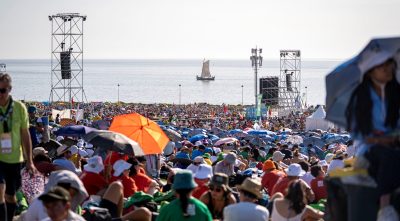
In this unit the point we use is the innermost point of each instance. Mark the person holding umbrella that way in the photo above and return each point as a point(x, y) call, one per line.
point(367, 104)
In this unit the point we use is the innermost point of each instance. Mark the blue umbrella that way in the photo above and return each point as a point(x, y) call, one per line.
point(213, 138)
point(197, 137)
point(260, 132)
point(342, 81)
point(74, 131)
point(235, 131)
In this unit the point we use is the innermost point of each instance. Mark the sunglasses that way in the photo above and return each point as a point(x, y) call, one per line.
point(216, 189)
point(3, 90)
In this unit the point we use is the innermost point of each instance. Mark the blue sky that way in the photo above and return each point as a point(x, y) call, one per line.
point(224, 29)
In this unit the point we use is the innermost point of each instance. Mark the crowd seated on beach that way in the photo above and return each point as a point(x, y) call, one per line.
point(279, 179)
point(280, 174)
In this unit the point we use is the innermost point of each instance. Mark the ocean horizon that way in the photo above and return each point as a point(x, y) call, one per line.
point(158, 80)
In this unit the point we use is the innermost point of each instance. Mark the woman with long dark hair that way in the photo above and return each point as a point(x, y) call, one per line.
point(219, 195)
point(185, 207)
point(293, 207)
point(373, 118)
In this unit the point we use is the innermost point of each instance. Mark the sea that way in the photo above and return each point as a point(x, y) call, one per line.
point(157, 81)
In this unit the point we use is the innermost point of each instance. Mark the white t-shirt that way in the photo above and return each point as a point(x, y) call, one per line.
point(335, 164)
point(193, 168)
point(307, 178)
point(245, 211)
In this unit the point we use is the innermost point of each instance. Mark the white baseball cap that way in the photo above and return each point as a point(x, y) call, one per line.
point(120, 166)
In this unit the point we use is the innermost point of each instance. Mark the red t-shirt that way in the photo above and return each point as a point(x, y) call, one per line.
point(113, 157)
point(142, 181)
point(199, 191)
point(319, 188)
point(128, 183)
point(93, 182)
point(281, 186)
point(269, 180)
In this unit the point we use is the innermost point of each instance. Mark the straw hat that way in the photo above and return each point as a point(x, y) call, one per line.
point(252, 186)
point(94, 165)
point(62, 149)
point(39, 151)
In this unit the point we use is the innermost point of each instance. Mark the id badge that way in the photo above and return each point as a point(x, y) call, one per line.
point(6, 143)
point(191, 210)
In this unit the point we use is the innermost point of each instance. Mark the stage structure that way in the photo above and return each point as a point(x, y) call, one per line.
point(289, 81)
point(269, 88)
point(67, 58)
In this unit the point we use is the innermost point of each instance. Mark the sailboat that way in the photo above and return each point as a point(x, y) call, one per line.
point(205, 72)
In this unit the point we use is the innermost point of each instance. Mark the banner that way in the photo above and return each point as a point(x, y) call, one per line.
point(258, 111)
point(69, 114)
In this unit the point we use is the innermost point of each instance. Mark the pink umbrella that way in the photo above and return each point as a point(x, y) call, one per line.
point(225, 141)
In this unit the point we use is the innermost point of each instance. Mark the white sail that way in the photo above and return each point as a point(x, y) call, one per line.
point(205, 71)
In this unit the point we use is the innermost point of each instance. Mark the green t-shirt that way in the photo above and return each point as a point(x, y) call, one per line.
point(173, 211)
point(19, 120)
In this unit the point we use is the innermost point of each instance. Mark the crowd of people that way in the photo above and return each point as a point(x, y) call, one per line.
point(242, 180)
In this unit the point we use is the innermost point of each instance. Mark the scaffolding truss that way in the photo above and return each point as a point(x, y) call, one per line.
point(67, 58)
point(289, 81)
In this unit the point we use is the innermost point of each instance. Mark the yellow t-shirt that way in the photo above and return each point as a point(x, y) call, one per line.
point(19, 120)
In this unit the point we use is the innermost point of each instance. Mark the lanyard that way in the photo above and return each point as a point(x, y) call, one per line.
point(6, 116)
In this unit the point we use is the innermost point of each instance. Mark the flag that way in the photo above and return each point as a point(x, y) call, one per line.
point(72, 103)
point(258, 111)
point(225, 109)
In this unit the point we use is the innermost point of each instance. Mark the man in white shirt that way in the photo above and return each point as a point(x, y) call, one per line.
point(247, 209)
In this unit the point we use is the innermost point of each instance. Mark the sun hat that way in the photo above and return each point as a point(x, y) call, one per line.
point(230, 158)
point(252, 186)
point(90, 152)
point(295, 170)
point(183, 180)
point(268, 164)
point(323, 163)
point(203, 172)
point(74, 149)
point(206, 156)
point(217, 150)
point(82, 153)
point(55, 193)
point(329, 157)
point(198, 159)
point(120, 166)
point(94, 165)
point(62, 149)
point(278, 156)
point(31, 109)
point(39, 151)
point(220, 179)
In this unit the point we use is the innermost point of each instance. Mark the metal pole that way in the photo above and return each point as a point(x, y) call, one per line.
point(242, 94)
point(306, 96)
point(255, 80)
point(118, 94)
point(180, 94)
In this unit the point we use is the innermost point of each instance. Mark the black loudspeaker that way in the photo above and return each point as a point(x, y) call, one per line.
point(65, 58)
point(289, 82)
point(269, 88)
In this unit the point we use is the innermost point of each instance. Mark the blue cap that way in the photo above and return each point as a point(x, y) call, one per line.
point(31, 109)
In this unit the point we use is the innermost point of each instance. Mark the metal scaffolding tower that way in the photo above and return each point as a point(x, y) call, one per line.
point(67, 58)
point(289, 81)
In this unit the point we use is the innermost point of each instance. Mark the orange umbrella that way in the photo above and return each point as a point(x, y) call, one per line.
point(144, 131)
